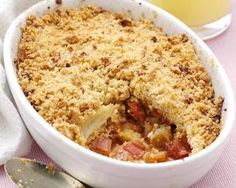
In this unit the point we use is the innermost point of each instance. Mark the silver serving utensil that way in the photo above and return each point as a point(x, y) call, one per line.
point(28, 173)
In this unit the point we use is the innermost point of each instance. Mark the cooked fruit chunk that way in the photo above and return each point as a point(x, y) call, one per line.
point(132, 126)
point(136, 111)
point(179, 148)
point(160, 136)
point(136, 149)
point(155, 156)
point(101, 145)
point(129, 135)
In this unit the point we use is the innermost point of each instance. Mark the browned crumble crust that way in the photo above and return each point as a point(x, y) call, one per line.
point(73, 61)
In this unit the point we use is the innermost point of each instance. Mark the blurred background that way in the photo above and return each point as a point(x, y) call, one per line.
point(208, 18)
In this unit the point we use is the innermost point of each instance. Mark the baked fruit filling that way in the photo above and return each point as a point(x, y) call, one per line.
point(141, 133)
point(120, 87)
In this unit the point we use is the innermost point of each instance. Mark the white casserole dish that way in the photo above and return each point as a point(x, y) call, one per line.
point(97, 170)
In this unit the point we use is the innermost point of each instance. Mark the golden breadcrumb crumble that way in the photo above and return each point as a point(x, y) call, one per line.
point(120, 87)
